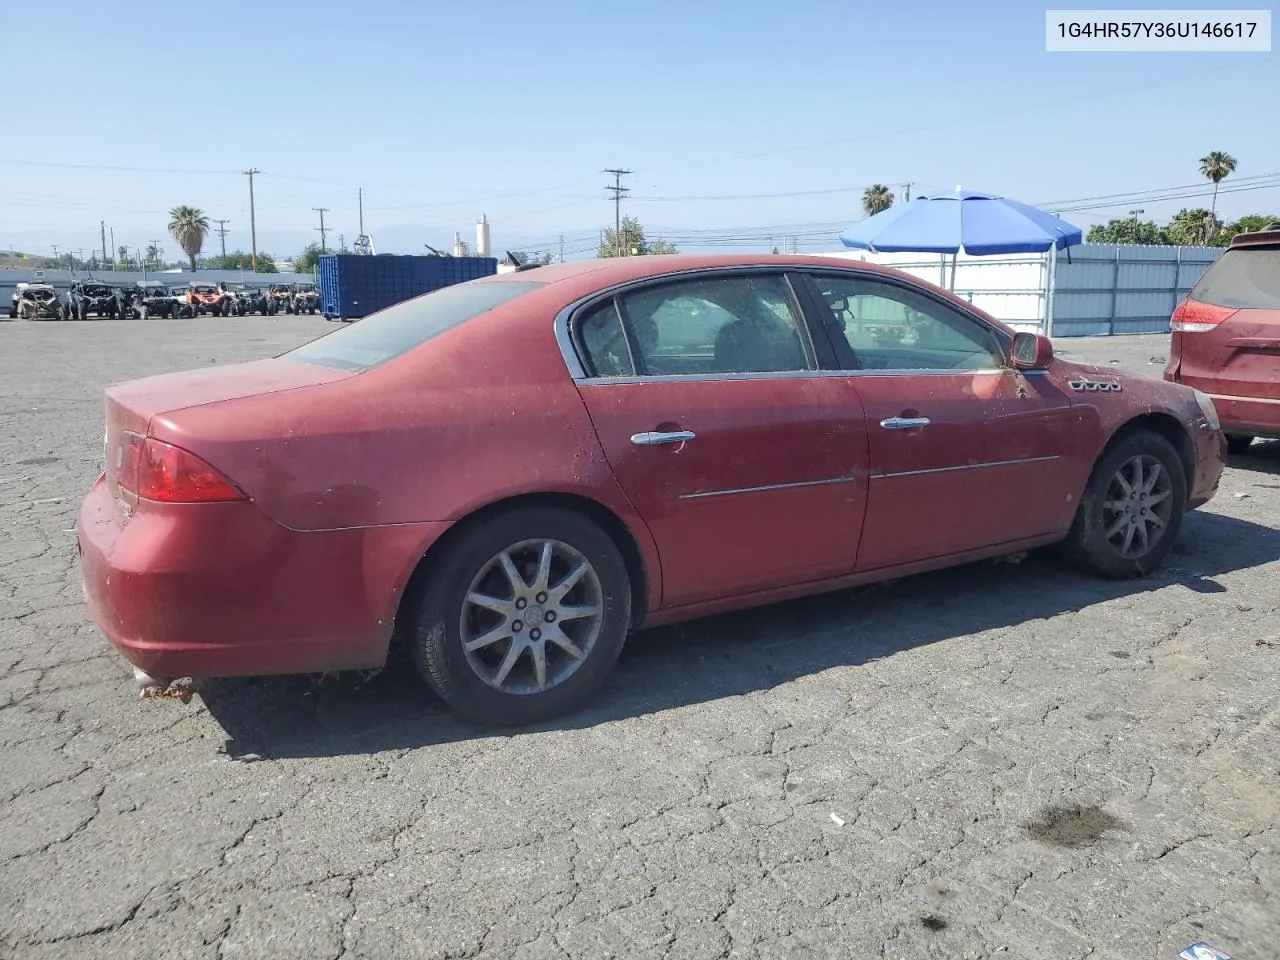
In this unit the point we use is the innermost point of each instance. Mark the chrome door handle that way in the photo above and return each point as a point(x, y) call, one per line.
point(651, 439)
point(904, 423)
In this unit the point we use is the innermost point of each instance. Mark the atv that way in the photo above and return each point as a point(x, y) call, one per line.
point(281, 297)
point(247, 300)
point(306, 298)
point(151, 298)
point(36, 301)
point(208, 299)
point(91, 297)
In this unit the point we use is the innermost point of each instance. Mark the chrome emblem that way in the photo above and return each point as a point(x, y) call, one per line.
point(1090, 386)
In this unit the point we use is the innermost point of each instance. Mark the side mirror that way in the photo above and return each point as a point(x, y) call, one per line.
point(1031, 351)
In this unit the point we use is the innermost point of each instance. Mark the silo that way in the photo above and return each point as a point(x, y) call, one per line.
point(482, 237)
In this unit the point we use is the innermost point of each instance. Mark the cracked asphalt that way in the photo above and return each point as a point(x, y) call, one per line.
point(1006, 760)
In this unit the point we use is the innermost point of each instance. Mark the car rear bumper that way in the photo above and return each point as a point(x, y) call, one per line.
point(1259, 417)
point(220, 589)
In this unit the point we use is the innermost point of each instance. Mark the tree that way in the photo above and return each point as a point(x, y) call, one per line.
point(1247, 224)
point(630, 241)
point(306, 261)
point(1217, 166)
point(1128, 230)
point(1192, 228)
point(876, 199)
point(240, 260)
point(189, 226)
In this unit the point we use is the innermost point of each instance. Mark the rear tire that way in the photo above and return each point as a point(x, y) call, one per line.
point(1238, 443)
point(547, 548)
point(1131, 510)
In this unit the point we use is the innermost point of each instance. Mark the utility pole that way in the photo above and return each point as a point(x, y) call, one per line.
point(907, 196)
point(341, 242)
point(222, 235)
point(102, 224)
point(155, 248)
point(562, 248)
point(360, 198)
point(253, 222)
point(322, 211)
point(618, 190)
point(114, 263)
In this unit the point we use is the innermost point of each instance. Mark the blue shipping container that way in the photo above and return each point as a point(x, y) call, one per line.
point(354, 286)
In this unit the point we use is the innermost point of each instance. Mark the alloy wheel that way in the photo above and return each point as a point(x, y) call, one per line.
point(1137, 506)
point(531, 616)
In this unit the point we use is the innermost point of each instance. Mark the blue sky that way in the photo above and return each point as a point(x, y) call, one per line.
point(445, 111)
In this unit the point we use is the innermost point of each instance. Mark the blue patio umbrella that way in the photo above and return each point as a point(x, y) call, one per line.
point(980, 224)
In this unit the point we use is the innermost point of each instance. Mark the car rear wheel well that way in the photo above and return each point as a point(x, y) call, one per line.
point(1166, 426)
point(599, 514)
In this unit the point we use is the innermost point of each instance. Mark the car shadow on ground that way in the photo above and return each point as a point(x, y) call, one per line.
point(1262, 457)
point(728, 655)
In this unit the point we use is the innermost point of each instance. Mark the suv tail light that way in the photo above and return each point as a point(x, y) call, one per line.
point(1192, 316)
point(156, 470)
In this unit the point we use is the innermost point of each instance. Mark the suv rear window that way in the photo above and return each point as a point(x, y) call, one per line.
point(1246, 279)
point(389, 333)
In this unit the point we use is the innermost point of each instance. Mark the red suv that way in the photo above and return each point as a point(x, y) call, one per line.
point(1226, 338)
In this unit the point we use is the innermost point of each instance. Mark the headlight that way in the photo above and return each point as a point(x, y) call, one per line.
point(1208, 409)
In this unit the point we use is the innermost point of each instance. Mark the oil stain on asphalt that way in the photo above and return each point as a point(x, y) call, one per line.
point(1072, 826)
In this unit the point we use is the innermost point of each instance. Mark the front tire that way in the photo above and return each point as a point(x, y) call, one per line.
point(1132, 509)
point(523, 617)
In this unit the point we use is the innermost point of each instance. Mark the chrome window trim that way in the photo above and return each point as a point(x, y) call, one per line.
point(964, 466)
point(794, 374)
point(578, 372)
point(765, 488)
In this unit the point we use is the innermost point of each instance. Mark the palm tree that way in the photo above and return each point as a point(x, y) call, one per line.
point(876, 199)
point(1217, 166)
point(1192, 227)
point(189, 226)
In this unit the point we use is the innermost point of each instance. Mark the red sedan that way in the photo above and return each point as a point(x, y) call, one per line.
point(510, 475)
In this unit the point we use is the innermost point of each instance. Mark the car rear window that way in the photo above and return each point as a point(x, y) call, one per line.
point(1245, 279)
point(389, 333)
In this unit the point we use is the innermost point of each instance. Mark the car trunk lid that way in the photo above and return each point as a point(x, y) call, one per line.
point(131, 406)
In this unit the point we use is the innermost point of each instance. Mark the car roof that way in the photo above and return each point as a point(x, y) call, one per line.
point(1268, 236)
point(580, 278)
point(621, 269)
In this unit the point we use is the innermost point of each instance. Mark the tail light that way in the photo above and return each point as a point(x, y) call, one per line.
point(1192, 316)
point(159, 471)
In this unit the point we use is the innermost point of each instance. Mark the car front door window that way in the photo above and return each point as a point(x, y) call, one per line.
point(892, 327)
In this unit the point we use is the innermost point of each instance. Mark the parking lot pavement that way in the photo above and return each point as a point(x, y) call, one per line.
point(1005, 760)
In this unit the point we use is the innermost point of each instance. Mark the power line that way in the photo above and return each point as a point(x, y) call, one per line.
point(1135, 195)
point(618, 190)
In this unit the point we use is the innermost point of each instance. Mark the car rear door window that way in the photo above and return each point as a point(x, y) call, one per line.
point(705, 325)
point(1246, 279)
point(605, 342)
point(888, 326)
point(389, 333)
